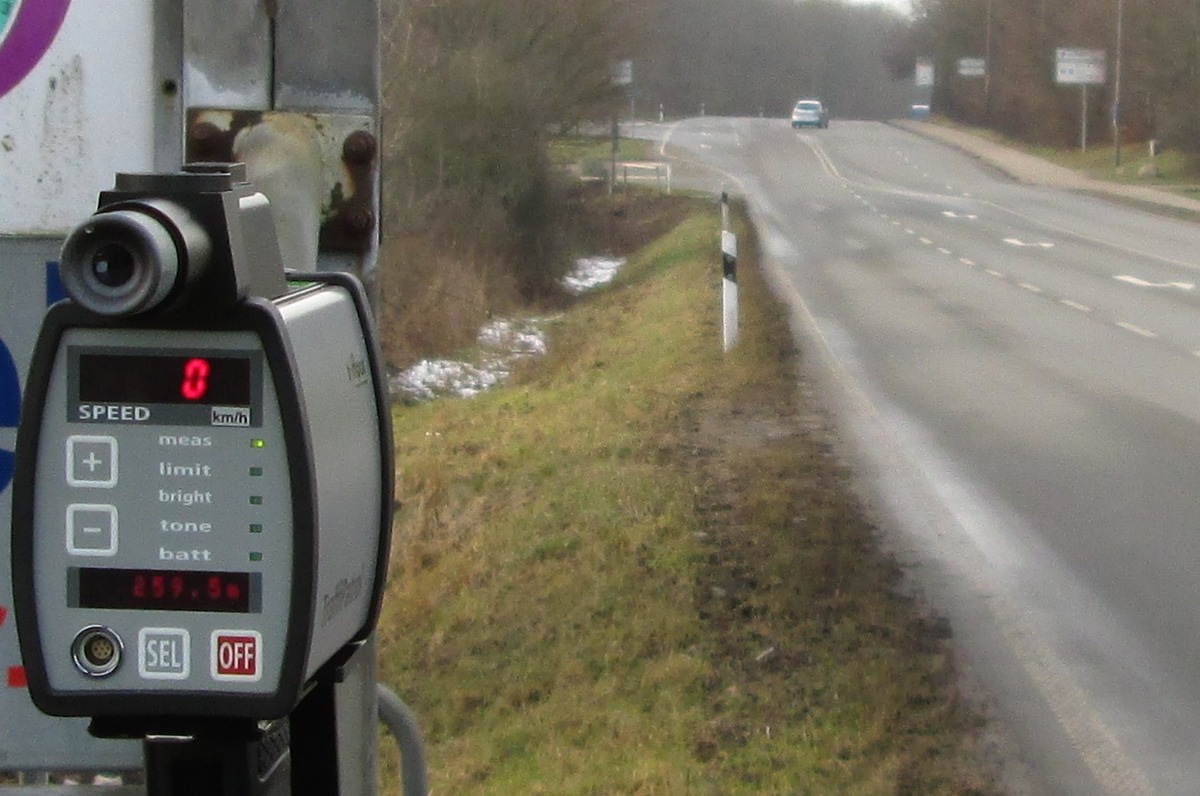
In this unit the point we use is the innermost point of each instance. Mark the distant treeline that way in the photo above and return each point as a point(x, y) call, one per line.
point(1160, 66)
point(751, 57)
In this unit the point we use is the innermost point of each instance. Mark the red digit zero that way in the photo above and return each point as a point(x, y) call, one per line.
point(195, 379)
point(236, 655)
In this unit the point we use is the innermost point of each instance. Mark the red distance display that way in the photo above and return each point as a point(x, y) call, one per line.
point(166, 590)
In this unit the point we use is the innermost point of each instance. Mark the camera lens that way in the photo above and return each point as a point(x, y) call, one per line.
point(125, 260)
point(113, 265)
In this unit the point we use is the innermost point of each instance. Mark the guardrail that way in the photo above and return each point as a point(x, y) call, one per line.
point(646, 171)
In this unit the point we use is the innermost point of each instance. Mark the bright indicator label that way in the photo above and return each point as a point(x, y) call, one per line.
point(166, 590)
point(145, 379)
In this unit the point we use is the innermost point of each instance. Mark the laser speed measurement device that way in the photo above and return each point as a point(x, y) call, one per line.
point(203, 491)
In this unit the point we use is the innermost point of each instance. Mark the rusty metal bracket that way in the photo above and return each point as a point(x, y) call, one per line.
point(348, 149)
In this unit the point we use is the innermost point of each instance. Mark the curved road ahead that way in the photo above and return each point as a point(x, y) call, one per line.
point(1020, 368)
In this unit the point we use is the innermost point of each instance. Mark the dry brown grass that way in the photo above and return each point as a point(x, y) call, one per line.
point(640, 569)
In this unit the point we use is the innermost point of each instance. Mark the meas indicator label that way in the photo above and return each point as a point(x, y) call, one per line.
point(165, 498)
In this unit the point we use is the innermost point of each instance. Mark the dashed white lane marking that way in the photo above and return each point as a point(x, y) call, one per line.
point(1042, 244)
point(1032, 288)
point(1129, 327)
point(1139, 282)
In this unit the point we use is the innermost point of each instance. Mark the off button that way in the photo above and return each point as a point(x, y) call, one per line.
point(237, 655)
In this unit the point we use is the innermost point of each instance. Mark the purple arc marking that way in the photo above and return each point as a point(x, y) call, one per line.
point(28, 39)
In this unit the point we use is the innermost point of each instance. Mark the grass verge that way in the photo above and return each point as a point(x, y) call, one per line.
point(1173, 170)
point(637, 570)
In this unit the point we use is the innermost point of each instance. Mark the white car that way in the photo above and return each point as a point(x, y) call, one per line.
point(810, 113)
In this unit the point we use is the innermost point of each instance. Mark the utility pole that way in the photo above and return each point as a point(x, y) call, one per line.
point(1116, 107)
point(987, 64)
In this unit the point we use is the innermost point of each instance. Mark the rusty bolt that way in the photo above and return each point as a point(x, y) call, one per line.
point(358, 221)
point(206, 139)
point(359, 148)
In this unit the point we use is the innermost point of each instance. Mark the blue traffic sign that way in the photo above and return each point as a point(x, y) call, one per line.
point(10, 408)
point(10, 379)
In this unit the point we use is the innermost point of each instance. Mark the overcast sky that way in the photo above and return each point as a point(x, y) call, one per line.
point(903, 6)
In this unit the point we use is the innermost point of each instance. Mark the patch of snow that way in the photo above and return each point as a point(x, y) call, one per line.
point(521, 338)
point(591, 272)
point(501, 342)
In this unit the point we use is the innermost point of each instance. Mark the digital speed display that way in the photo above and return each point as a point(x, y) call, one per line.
point(167, 590)
point(163, 379)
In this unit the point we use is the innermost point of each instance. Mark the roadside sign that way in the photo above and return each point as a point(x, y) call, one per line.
point(924, 73)
point(1078, 67)
point(972, 67)
point(72, 115)
point(622, 73)
point(26, 33)
point(30, 740)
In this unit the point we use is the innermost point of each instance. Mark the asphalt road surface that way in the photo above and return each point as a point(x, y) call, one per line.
point(1019, 369)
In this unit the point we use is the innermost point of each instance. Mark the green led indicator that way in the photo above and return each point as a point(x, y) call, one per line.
point(258, 443)
point(255, 528)
point(256, 471)
point(256, 500)
point(256, 556)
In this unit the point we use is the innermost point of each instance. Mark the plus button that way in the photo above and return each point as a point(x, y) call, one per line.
point(92, 461)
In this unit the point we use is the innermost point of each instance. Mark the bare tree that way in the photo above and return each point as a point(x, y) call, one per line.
point(1160, 65)
point(475, 88)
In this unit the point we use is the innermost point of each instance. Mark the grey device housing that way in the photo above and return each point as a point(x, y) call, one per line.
point(312, 550)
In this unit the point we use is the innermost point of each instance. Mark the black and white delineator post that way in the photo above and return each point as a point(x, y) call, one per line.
point(202, 496)
point(729, 285)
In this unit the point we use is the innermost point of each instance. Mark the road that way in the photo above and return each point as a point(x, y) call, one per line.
point(1019, 370)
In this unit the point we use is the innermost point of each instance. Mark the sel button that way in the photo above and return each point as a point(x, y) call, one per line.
point(163, 653)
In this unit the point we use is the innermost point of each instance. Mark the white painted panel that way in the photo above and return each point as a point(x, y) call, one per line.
point(84, 112)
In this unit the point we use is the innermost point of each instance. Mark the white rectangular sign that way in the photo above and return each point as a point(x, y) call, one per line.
point(80, 111)
point(972, 67)
point(1078, 67)
point(924, 73)
point(622, 73)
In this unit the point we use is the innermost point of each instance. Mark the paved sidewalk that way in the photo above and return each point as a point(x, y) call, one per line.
point(1036, 171)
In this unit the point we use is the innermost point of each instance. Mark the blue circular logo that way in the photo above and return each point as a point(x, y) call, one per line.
point(10, 409)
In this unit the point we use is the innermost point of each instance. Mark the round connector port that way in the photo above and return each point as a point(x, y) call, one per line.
point(97, 651)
